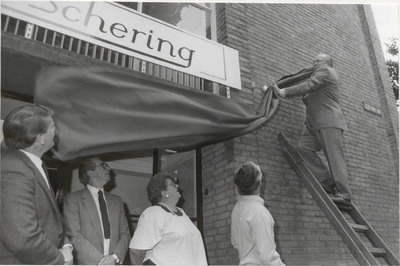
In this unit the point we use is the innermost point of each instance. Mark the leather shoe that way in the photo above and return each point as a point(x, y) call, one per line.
point(341, 201)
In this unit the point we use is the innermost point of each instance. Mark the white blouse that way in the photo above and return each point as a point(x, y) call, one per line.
point(168, 238)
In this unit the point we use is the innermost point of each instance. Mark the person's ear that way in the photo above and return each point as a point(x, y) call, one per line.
point(236, 189)
point(40, 139)
point(90, 173)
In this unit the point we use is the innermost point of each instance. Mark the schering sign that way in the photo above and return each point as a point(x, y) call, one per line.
point(120, 29)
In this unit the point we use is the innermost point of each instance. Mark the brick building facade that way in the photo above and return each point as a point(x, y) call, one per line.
point(275, 40)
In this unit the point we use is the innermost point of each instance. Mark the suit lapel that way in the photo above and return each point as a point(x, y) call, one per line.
point(39, 177)
point(91, 208)
point(113, 215)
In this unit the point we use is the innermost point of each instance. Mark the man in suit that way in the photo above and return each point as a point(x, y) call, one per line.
point(31, 226)
point(99, 235)
point(325, 124)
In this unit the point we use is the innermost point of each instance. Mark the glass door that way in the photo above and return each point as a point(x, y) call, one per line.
point(183, 167)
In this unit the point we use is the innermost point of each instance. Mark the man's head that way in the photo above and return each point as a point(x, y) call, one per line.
point(322, 60)
point(94, 172)
point(29, 125)
point(248, 179)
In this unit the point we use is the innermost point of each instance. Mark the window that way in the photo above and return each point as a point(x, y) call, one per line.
point(193, 17)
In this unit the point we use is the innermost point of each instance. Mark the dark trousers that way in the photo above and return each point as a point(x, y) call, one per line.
point(330, 140)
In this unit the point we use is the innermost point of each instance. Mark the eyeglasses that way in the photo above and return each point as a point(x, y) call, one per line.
point(104, 165)
point(173, 184)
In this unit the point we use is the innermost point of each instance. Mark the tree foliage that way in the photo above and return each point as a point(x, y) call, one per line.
point(393, 66)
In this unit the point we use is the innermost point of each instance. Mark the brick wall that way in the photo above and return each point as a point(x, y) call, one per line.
point(275, 40)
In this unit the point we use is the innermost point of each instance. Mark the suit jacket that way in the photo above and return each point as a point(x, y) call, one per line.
point(31, 224)
point(321, 98)
point(84, 227)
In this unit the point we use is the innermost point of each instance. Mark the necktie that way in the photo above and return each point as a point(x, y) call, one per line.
point(104, 215)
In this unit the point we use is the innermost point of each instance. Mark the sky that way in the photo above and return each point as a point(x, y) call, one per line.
point(387, 21)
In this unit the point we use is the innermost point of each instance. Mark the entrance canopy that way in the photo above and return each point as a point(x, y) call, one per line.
point(100, 110)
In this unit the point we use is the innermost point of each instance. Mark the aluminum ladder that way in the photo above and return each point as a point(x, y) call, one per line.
point(349, 232)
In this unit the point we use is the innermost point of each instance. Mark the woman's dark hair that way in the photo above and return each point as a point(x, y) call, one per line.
point(24, 124)
point(246, 179)
point(156, 185)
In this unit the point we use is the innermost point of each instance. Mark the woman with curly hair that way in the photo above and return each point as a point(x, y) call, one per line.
point(165, 235)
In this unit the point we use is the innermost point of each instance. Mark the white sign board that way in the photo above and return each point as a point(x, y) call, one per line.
point(124, 30)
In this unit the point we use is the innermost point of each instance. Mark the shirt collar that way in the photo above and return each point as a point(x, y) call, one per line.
point(35, 159)
point(252, 197)
point(94, 190)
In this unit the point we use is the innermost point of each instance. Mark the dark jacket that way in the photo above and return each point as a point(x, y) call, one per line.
point(31, 225)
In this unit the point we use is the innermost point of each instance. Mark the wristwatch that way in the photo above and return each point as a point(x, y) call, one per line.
point(117, 260)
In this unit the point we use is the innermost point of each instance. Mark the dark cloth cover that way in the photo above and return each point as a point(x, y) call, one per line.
point(99, 110)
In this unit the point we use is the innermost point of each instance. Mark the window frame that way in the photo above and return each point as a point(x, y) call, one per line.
point(210, 10)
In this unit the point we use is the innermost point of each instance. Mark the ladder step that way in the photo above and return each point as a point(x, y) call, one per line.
point(378, 252)
point(359, 227)
point(343, 208)
point(364, 254)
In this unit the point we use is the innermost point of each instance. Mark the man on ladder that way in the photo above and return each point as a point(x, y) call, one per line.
point(325, 124)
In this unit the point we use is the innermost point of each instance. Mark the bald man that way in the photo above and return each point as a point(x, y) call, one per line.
point(324, 127)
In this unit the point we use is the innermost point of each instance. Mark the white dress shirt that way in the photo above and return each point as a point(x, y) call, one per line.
point(38, 163)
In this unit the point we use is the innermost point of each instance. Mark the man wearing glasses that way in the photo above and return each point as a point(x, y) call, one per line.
point(95, 219)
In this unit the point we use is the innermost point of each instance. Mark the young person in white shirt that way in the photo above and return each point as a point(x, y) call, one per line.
point(252, 228)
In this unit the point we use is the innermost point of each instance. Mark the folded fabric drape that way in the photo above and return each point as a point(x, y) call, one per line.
point(100, 110)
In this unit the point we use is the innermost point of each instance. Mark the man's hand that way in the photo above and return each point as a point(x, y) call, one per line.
point(277, 90)
point(67, 253)
point(108, 260)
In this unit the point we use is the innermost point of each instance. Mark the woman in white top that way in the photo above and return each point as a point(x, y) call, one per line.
point(165, 235)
